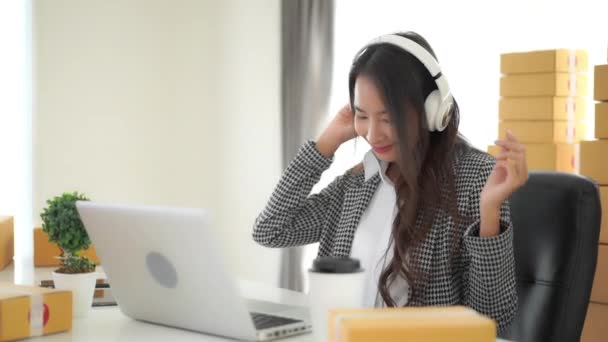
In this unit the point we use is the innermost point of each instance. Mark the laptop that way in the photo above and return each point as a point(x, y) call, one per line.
point(167, 266)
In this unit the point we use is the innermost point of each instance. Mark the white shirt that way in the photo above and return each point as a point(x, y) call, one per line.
point(373, 234)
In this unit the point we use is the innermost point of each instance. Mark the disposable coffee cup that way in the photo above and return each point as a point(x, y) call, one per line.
point(334, 283)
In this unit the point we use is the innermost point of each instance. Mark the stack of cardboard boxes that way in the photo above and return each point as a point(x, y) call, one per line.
point(6, 241)
point(594, 164)
point(543, 104)
point(47, 253)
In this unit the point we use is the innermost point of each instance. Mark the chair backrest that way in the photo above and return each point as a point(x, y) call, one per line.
point(556, 219)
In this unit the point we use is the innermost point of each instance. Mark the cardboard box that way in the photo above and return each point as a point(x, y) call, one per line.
point(32, 311)
point(544, 131)
point(6, 241)
point(601, 120)
point(559, 60)
point(599, 292)
point(604, 227)
point(550, 157)
point(594, 160)
point(595, 328)
point(600, 86)
point(428, 324)
point(552, 84)
point(46, 253)
point(542, 108)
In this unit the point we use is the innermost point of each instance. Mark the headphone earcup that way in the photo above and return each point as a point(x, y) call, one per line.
point(431, 106)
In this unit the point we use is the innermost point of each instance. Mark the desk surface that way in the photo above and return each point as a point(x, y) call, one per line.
point(109, 324)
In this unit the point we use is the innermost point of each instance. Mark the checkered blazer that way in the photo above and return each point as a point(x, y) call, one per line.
point(481, 276)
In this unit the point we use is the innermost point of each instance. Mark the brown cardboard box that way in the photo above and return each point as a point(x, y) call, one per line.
point(595, 328)
point(16, 316)
point(6, 241)
point(544, 131)
point(550, 157)
point(430, 324)
point(542, 108)
point(594, 160)
point(601, 120)
point(559, 60)
point(551, 84)
point(46, 253)
point(599, 292)
point(604, 228)
point(600, 87)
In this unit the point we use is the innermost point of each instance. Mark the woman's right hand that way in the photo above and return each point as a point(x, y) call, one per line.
point(341, 129)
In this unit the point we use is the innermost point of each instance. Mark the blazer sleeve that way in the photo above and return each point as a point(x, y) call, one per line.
point(490, 286)
point(293, 217)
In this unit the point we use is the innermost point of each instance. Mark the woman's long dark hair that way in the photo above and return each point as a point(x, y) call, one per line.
point(425, 185)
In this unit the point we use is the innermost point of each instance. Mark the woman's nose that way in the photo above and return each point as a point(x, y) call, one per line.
point(373, 133)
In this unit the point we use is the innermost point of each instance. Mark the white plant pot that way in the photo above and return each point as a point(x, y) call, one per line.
point(82, 286)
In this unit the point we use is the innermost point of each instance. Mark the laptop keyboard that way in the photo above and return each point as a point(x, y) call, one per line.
point(265, 321)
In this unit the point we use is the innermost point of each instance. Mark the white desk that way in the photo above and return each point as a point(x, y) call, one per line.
point(109, 324)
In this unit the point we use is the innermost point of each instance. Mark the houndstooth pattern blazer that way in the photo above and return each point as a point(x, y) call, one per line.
point(482, 276)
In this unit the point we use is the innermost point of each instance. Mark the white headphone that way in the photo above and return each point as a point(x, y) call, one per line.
point(439, 102)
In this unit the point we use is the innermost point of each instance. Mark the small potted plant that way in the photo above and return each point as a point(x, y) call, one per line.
point(62, 224)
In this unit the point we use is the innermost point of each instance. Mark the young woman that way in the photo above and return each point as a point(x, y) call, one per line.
point(425, 212)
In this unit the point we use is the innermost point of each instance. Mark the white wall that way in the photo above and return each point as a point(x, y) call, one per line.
point(162, 102)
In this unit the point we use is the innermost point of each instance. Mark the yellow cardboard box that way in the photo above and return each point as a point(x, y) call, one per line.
point(550, 157)
point(558, 60)
point(549, 84)
point(594, 160)
point(604, 227)
point(595, 328)
point(599, 292)
point(32, 311)
point(429, 324)
point(542, 108)
point(6, 241)
point(544, 131)
point(600, 87)
point(46, 253)
point(601, 120)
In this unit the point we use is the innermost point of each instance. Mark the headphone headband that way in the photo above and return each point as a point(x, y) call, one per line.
point(437, 113)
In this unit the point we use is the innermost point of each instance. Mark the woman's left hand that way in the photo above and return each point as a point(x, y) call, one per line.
point(508, 175)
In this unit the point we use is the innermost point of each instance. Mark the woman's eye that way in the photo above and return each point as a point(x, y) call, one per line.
point(361, 117)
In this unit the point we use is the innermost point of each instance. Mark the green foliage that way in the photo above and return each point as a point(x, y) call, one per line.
point(62, 224)
point(76, 264)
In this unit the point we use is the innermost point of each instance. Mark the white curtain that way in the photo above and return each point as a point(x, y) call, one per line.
point(306, 74)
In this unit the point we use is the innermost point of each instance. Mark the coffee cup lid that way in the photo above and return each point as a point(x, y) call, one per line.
point(335, 265)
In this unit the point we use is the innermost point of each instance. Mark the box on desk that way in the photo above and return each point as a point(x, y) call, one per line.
point(6, 241)
point(550, 157)
point(557, 60)
point(46, 253)
point(600, 88)
point(458, 324)
point(542, 108)
point(601, 120)
point(33, 311)
point(546, 84)
point(544, 131)
point(594, 161)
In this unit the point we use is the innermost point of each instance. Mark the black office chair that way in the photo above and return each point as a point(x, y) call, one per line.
point(556, 219)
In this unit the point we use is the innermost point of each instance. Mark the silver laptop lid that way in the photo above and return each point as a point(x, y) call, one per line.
point(165, 265)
